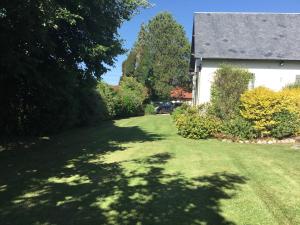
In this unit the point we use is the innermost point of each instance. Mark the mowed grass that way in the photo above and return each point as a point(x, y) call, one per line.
point(139, 171)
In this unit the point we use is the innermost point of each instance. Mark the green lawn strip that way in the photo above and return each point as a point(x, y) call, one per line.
point(139, 171)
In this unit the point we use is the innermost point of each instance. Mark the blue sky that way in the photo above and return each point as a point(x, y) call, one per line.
point(183, 11)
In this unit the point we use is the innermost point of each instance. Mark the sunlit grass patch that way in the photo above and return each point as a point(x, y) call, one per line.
point(71, 180)
point(3, 188)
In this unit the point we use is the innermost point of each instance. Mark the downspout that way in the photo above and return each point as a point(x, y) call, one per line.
point(194, 92)
point(196, 81)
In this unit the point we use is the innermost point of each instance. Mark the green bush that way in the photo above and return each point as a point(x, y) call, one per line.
point(109, 99)
point(91, 107)
point(130, 97)
point(287, 124)
point(194, 123)
point(229, 83)
point(239, 128)
point(183, 109)
point(196, 127)
point(178, 111)
point(125, 102)
point(293, 86)
point(149, 109)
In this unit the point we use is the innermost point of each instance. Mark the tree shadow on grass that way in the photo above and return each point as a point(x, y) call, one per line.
point(72, 184)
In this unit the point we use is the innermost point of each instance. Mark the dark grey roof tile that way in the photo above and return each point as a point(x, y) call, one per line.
point(247, 36)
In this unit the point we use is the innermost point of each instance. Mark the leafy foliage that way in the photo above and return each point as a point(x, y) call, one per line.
point(127, 101)
point(150, 109)
point(229, 83)
point(191, 124)
point(293, 93)
point(260, 106)
point(131, 97)
point(197, 127)
point(243, 114)
point(263, 113)
point(287, 124)
point(182, 110)
point(109, 98)
point(293, 86)
point(51, 54)
point(239, 128)
point(160, 58)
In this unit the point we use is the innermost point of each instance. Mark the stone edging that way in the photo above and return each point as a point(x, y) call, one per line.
point(264, 142)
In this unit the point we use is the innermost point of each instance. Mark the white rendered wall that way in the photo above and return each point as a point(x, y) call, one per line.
point(267, 73)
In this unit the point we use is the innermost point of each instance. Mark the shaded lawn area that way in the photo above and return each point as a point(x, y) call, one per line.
point(139, 171)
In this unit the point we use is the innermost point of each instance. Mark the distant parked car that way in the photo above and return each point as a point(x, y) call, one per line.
point(177, 104)
point(164, 108)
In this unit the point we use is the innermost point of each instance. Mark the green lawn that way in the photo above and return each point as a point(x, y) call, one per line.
point(139, 171)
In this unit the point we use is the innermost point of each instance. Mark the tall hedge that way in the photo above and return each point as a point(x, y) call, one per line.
point(228, 85)
point(131, 97)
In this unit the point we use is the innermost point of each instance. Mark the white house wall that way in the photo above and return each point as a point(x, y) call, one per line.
point(267, 73)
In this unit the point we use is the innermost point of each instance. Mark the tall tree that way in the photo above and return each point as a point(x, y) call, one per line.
point(136, 57)
point(44, 45)
point(160, 57)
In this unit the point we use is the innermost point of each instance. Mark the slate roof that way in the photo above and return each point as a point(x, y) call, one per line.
point(267, 36)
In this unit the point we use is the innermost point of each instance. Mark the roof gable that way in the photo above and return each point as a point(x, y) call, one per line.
point(267, 36)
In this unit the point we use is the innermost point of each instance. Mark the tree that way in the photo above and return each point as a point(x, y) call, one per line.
point(52, 52)
point(161, 56)
point(138, 61)
point(129, 66)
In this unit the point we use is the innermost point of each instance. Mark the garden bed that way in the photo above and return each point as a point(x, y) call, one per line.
point(236, 114)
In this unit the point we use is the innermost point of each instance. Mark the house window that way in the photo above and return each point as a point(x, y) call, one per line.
point(297, 79)
point(252, 82)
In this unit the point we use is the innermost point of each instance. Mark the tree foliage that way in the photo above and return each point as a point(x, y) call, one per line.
point(51, 54)
point(160, 57)
point(109, 98)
